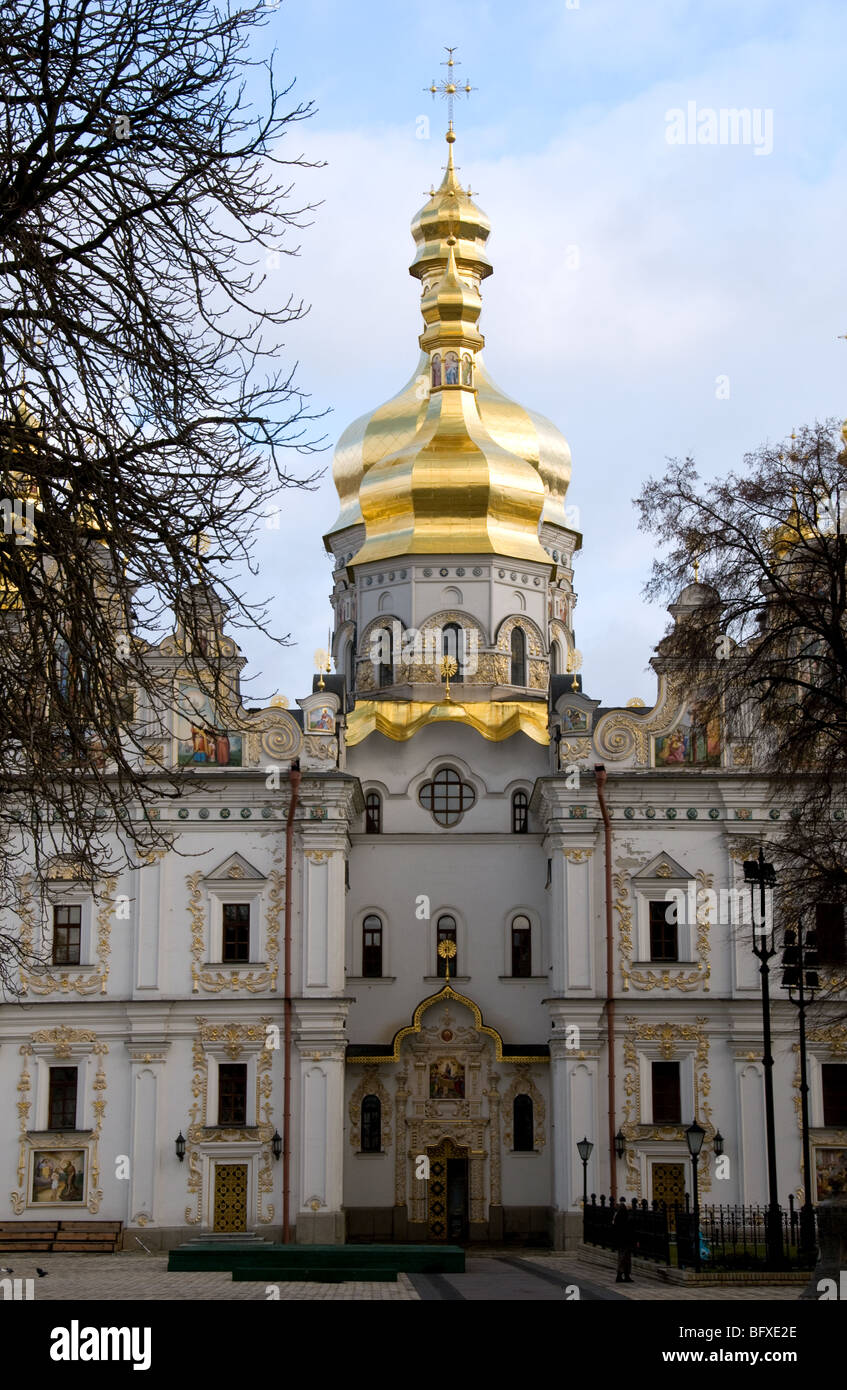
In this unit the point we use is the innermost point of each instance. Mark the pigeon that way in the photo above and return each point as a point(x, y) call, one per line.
point(42, 1273)
point(4, 1270)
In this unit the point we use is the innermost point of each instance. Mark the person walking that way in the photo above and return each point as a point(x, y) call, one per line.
point(622, 1232)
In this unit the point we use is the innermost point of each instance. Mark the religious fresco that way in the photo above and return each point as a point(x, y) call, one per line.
point(58, 1177)
point(574, 721)
point(436, 369)
point(451, 368)
point(320, 720)
point(446, 1079)
point(201, 740)
point(830, 1173)
point(695, 742)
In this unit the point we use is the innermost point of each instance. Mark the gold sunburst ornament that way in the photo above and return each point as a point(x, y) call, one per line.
point(447, 952)
point(449, 667)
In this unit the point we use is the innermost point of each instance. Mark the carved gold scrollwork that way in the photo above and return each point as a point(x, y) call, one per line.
point(623, 734)
point(235, 1037)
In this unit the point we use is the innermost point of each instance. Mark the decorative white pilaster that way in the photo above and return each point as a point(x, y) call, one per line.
point(146, 889)
point(146, 1069)
point(318, 1184)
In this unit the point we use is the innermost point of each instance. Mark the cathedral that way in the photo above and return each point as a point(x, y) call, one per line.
point(424, 929)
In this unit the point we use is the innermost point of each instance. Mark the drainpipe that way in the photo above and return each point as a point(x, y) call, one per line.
point(294, 786)
point(600, 782)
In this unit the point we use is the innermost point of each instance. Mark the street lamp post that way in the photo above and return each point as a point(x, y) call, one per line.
point(800, 978)
point(584, 1148)
point(695, 1134)
point(760, 874)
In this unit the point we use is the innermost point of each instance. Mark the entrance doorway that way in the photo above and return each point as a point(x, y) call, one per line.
point(230, 1197)
point(447, 1193)
point(668, 1182)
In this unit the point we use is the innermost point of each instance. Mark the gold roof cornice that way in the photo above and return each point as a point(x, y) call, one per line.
point(448, 992)
point(402, 719)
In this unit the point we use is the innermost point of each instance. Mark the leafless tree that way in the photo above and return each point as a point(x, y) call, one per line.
point(145, 421)
point(768, 642)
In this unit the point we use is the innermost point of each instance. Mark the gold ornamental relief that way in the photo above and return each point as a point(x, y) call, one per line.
point(62, 1037)
point(622, 734)
point(539, 675)
point(578, 749)
point(534, 637)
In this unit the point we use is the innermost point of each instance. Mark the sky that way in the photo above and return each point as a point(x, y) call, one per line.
point(654, 299)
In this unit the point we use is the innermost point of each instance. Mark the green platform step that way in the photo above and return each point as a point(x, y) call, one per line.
point(317, 1263)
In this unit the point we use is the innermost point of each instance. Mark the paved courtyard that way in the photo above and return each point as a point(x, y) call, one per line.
point(506, 1275)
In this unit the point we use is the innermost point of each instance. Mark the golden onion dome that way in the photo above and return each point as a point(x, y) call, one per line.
point(450, 212)
point(504, 469)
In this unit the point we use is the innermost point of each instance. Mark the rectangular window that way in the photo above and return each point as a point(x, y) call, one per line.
point(834, 1085)
point(664, 938)
point(372, 948)
point(829, 934)
point(667, 1106)
point(521, 949)
point(67, 920)
point(236, 936)
point(61, 1109)
point(232, 1093)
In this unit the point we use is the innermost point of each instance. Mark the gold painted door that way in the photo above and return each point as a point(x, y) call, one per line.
point(447, 1192)
point(669, 1187)
point(230, 1197)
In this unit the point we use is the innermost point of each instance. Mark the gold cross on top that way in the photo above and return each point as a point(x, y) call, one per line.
point(448, 86)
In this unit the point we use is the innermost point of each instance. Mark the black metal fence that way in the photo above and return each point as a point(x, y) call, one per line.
point(730, 1237)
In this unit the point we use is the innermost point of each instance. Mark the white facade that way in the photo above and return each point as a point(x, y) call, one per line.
point(487, 1082)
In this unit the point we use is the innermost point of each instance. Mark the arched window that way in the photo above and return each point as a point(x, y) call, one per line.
point(453, 644)
point(520, 813)
point(436, 369)
point(521, 948)
point(350, 665)
point(522, 1125)
point(373, 814)
point(386, 674)
point(467, 370)
point(371, 1125)
point(372, 947)
point(447, 797)
point(554, 658)
point(518, 656)
point(446, 931)
point(451, 368)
